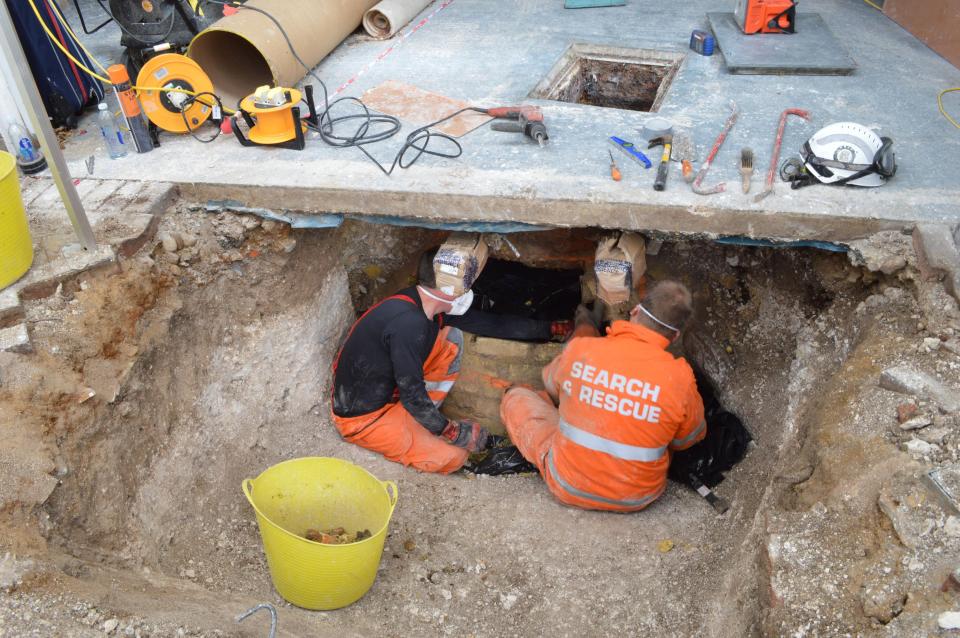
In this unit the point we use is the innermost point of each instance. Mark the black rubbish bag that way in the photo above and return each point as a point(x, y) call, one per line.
point(725, 445)
point(501, 458)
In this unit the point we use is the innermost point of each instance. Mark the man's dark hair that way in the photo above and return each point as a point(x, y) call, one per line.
point(425, 275)
point(670, 302)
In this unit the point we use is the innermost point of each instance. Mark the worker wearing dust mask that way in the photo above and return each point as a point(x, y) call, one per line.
point(624, 404)
point(402, 357)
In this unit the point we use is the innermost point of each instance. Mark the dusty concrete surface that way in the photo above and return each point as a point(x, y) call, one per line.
point(502, 177)
point(153, 390)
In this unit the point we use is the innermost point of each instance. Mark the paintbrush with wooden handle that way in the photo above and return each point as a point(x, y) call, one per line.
point(746, 167)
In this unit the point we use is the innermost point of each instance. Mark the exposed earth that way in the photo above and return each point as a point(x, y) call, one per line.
point(155, 388)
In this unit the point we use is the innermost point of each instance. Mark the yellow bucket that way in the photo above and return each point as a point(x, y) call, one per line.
point(16, 249)
point(321, 493)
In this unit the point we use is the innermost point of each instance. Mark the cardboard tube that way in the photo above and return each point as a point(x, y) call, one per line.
point(389, 16)
point(245, 50)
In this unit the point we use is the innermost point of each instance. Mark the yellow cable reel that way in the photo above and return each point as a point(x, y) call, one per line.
point(162, 105)
point(275, 124)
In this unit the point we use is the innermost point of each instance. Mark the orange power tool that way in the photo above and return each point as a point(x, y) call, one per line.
point(766, 16)
point(526, 119)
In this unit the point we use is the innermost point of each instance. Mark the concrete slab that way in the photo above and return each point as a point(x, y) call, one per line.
point(812, 50)
point(503, 177)
point(15, 339)
point(11, 310)
point(42, 281)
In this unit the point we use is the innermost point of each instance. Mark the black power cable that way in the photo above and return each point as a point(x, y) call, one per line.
point(373, 127)
point(216, 119)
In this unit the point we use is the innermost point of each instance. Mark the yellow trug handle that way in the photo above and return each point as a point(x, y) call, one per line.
point(392, 492)
point(247, 487)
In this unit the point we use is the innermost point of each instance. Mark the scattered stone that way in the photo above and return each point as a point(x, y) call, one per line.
point(508, 601)
point(109, 626)
point(189, 573)
point(952, 344)
point(12, 571)
point(288, 245)
point(892, 264)
point(916, 423)
point(919, 447)
point(188, 240)
point(665, 546)
point(168, 242)
point(170, 258)
point(269, 225)
point(906, 380)
point(882, 603)
point(409, 545)
point(250, 221)
point(900, 502)
point(952, 583)
point(931, 344)
point(935, 435)
point(446, 594)
point(906, 411)
point(733, 261)
point(952, 527)
point(949, 620)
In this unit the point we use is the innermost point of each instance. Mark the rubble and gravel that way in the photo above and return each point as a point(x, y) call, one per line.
point(152, 392)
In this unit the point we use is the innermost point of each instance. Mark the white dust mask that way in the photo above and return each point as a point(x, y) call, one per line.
point(461, 304)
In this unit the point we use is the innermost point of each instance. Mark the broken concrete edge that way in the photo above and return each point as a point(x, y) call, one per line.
point(11, 309)
point(44, 281)
point(15, 339)
point(693, 222)
point(938, 255)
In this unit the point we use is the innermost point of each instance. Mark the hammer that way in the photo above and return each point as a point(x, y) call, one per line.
point(665, 140)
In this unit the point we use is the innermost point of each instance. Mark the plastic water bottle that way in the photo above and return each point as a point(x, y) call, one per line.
point(24, 145)
point(112, 134)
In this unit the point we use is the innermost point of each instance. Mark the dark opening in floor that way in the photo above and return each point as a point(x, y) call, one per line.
point(611, 77)
point(513, 288)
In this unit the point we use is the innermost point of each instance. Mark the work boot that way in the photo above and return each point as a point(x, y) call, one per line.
point(467, 435)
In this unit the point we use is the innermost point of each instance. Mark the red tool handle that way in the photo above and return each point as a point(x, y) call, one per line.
point(530, 113)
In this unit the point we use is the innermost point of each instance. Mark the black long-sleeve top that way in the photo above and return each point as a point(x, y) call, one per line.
point(382, 359)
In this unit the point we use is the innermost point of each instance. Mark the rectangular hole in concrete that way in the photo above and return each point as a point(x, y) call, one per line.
point(611, 77)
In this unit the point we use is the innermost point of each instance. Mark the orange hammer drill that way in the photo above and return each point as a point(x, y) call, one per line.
point(526, 119)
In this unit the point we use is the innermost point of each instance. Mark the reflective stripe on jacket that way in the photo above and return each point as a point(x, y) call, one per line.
point(624, 403)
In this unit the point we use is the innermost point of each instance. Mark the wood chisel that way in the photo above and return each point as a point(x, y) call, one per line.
point(631, 151)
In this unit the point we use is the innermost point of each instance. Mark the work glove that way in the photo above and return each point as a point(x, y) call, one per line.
point(560, 330)
point(585, 316)
point(466, 434)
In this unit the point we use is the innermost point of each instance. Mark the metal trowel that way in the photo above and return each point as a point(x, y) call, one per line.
point(684, 152)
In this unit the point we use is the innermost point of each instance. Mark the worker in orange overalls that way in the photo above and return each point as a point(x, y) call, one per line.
point(625, 402)
point(399, 361)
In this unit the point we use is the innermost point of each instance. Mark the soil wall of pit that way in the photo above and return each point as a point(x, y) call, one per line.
point(227, 371)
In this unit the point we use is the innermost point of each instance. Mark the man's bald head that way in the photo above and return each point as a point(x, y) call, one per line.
point(670, 302)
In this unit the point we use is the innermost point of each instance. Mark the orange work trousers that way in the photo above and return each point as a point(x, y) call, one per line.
point(394, 433)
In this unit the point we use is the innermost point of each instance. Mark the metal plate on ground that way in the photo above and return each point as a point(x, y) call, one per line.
point(812, 50)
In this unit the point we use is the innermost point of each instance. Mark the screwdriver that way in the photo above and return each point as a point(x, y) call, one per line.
point(614, 171)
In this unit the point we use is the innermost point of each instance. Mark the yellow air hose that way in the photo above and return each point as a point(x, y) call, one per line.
point(86, 69)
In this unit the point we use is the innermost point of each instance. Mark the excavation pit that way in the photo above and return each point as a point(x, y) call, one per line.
point(225, 371)
point(611, 77)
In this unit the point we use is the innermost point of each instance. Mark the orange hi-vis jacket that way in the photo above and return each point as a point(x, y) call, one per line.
point(624, 402)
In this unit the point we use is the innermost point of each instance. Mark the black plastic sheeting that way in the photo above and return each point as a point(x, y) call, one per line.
point(725, 445)
point(511, 288)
